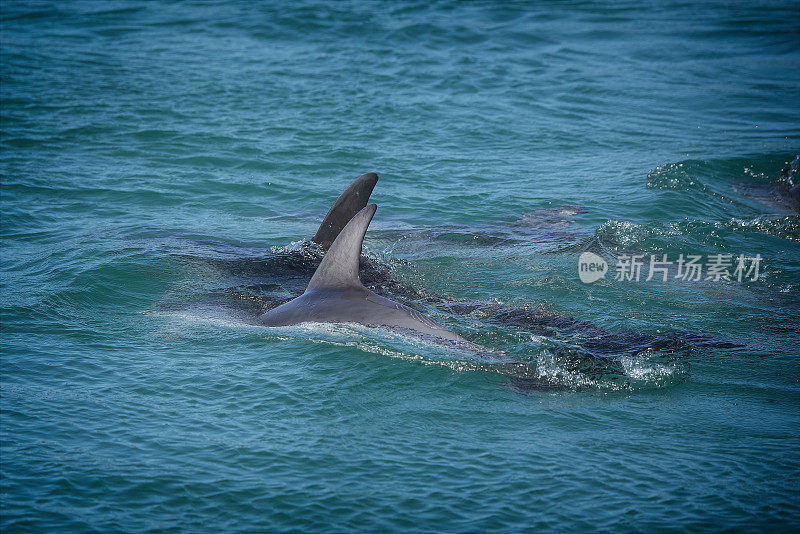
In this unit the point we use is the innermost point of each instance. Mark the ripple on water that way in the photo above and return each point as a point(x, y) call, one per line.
point(161, 166)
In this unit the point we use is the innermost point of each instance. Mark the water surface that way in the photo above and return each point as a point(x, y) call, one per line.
point(162, 165)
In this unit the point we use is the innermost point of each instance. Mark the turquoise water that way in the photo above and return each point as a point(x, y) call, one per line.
point(163, 164)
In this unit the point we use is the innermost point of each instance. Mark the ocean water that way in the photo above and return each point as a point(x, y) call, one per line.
point(164, 164)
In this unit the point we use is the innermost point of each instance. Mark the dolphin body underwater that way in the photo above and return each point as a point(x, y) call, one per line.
point(783, 197)
point(342, 287)
point(337, 293)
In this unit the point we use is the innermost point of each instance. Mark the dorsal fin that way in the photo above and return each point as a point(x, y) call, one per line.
point(339, 267)
point(351, 201)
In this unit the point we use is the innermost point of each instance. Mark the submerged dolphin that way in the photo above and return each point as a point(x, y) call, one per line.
point(335, 293)
point(783, 195)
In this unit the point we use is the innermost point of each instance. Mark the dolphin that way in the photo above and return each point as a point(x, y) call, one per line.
point(253, 278)
point(351, 201)
point(291, 271)
point(790, 175)
point(335, 293)
point(784, 195)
